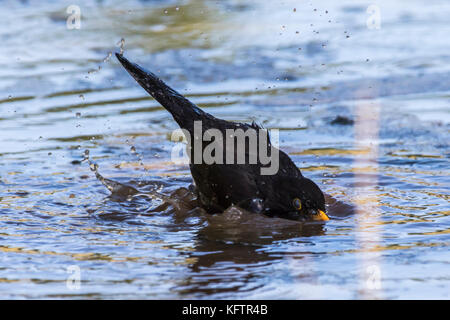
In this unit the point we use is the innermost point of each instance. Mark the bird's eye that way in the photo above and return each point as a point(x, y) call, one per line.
point(297, 203)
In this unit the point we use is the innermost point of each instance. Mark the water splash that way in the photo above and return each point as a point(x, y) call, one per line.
point(120, 190)
point(116, 188)
point(121, 44)
point(140, 158)
point(108, 57)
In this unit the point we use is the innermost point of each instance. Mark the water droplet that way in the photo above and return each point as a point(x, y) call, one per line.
point(121, 44)
point(86, 155)
point(133, 149)
point(107, 57)
point(93, 166)
point(78, 114)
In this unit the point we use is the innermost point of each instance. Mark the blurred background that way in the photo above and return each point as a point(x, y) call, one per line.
point(361, 95)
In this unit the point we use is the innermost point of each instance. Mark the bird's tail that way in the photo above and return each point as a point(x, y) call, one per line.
point(183, 111)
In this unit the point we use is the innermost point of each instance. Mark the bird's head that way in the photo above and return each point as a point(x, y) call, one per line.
point(297, 198)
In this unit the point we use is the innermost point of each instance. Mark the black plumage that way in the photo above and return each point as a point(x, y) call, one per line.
point(285, 194)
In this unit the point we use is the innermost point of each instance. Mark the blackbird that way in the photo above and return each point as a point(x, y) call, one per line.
point(280, 191)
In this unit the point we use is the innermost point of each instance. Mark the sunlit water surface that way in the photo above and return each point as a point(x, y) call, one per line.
point(364, 112)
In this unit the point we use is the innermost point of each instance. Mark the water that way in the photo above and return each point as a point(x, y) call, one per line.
point(363, 112)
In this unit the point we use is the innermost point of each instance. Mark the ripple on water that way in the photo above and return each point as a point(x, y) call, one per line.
point(135, 230)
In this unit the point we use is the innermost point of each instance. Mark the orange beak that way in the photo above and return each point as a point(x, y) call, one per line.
point(320, 216)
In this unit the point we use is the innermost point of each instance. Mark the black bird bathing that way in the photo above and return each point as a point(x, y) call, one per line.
point(286, 193)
